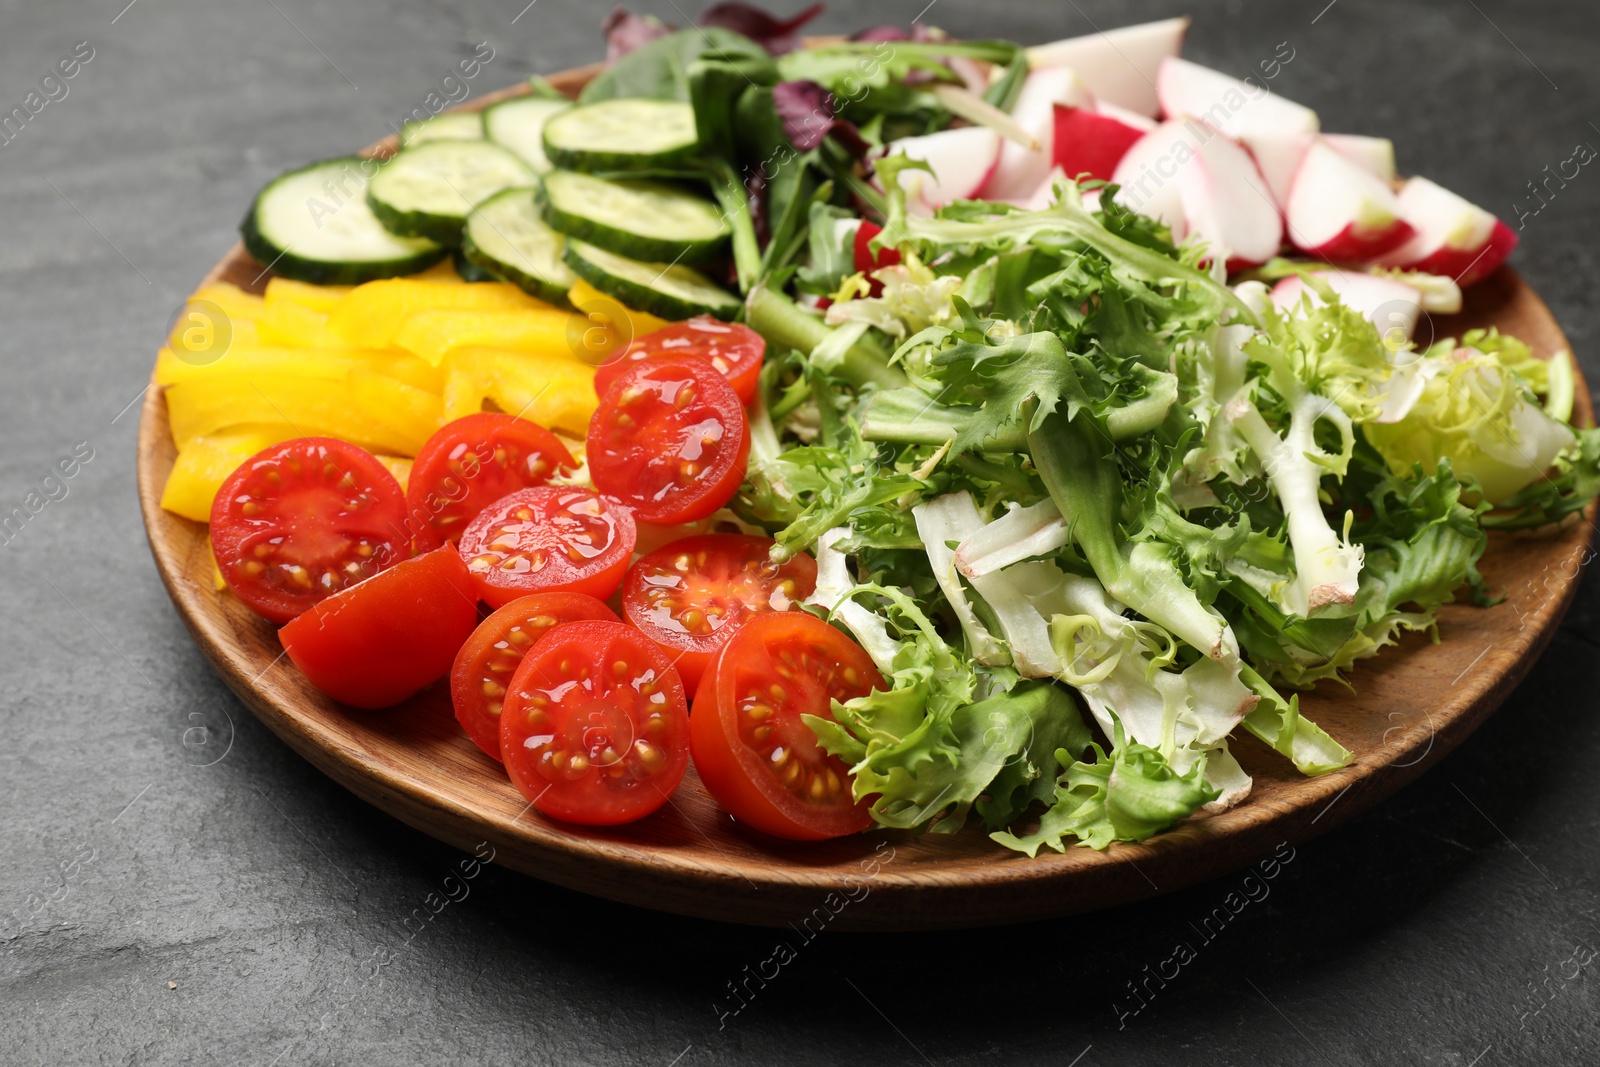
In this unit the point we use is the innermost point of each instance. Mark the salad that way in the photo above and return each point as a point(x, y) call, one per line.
point(971, 433)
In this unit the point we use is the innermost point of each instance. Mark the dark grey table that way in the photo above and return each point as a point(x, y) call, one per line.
point(157, 909)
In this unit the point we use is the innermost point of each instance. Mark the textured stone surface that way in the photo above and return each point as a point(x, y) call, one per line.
point(1439, 928)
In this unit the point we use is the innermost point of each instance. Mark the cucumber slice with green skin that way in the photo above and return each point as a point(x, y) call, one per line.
point(615, 135)
point(450, 126)
point(470, 271)
point(519, 125)
point(667, 290)
point(312, 224)
point(427, 191)
point(505, 236)
point(638, 219)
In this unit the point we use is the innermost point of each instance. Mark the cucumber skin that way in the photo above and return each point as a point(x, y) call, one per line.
point(470, 271)
point(643, 298)
point(316, 271)
point(617, 162)
point(623, 243)
point(501, 272)
point(445, 229)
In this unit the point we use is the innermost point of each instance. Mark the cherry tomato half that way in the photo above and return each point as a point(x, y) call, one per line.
point(545, 539)
point(595, 729)
point(486, 663)
point(867, 260)
point(301, 520)
point(734, 349)
point(692, 595)
point(755, 754)
point(669, 440)
point(376, 643)
point(469, 464)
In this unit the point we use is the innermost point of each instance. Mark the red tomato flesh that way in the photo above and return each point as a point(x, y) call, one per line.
point(376, 643)
point(486, 663)
point(734, 349)
point(868, 261)
point(669, 440)
point(300, 521)
point(692, 595)
point(755, 754)
point(545, 539)
point(595, 729)
point(469, 464)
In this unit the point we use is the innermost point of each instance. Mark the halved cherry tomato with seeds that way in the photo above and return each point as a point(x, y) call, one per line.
point(692, 595)
point(669, 439)
point(754, 753)
point(868, 261)
point(545, 539)
point(469, 464)
point(302, 520)
point(376, 643)
point(491, 656)
point(595, 729)
point(734, 349)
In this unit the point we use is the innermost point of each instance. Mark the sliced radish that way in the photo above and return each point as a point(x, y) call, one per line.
point(1044, 195)
point(1020, 169)
point(1227, 104)
point(1087, 142)
point(962, 160)
point(1340, 212)
point(1388, 304)
point(1226, 203)
point(1126, 116)
point(1375, 154)
point(1202, 185)
point(1453, 236)
point(1279, 155)
point(1118, 65)
point(1149, 175)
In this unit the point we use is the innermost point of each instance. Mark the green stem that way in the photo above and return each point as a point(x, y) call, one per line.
point(730, 193)
point(782, 322)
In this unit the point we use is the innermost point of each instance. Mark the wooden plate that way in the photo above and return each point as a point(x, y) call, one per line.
point(1411, 705)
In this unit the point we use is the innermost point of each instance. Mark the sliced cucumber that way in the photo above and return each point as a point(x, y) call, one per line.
point(518, 124)
point(505, 236)
point(622, 135)
point(639, 219)
point(427, 191)
point(669, 290)
point(313, 225)
point(470, 271)
point(450, 126)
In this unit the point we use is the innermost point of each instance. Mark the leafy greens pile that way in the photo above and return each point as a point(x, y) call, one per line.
point(1049, 458)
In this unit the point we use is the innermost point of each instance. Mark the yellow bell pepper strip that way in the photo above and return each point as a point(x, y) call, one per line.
point(288, 322)
point(234, 301)
point(305, 407)
point(372, 313)
point(217, 581)
point(205, 463)
point(611, 325)
point(414, 412)
point(554, 391)
point(205, 330)
point(434, 332)
point(399, 466)
point(442, 271)
point(267, 361)
point(323, 298)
